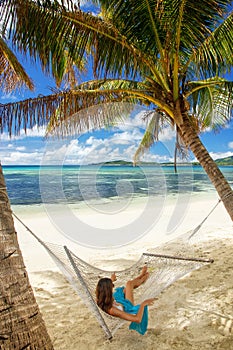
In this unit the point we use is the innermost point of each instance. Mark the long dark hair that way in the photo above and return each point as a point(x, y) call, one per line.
point(104, 296)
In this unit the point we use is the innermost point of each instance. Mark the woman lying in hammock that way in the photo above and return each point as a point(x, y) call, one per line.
point(120, 303)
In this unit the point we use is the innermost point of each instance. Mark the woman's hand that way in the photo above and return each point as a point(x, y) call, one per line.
point(149, 302)
point(113, 277)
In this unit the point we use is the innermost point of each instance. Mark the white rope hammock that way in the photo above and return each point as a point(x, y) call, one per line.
point(164, 270)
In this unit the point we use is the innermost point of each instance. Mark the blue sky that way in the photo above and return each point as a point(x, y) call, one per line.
point(102, 145)
point(99, 146)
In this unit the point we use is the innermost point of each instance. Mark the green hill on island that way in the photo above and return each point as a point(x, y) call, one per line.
point(225, 161)
point(220, 162)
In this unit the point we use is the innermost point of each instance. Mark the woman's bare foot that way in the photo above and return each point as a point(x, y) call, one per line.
point(142, 277)
point(145, 277)
point(144, 271)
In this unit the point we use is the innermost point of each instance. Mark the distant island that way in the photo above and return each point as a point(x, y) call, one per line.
point(131, 164)
point(227, 161)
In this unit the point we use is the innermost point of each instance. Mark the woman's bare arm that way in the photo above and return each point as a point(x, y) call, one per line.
point(113, 277)
point(114, 311)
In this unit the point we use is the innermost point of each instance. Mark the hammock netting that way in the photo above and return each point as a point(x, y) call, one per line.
point(164, 269)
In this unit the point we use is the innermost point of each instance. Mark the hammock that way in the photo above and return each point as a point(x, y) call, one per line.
point(164, 270)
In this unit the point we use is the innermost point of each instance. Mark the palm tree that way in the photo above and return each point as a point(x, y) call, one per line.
point(21, 322)
point(171, 55)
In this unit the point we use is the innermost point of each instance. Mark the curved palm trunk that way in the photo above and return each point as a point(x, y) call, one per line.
point(223, 188)
point(21, 323)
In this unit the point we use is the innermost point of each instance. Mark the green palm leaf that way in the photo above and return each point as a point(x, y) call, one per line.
point(214, 56)
point(12, 74)
point(211, 101)
point(150, 135)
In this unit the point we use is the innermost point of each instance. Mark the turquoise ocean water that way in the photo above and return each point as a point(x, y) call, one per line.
point(29, 185)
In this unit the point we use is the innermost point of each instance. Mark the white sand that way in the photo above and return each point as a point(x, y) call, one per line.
point(193, 313)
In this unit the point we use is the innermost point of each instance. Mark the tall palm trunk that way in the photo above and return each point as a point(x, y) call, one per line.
point(192, 141)
point(21, 323)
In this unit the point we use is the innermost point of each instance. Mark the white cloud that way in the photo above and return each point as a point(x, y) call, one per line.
point(222, 128)
point(22, 158)
point(126, 137)
point(167, 134)
point(137, 126)
point(218, 155)
point(157, 158)
point(118, 145)
point(94, 142)
point(94, 150)
point(22, 148)
point(132, 123)
point(34, 132)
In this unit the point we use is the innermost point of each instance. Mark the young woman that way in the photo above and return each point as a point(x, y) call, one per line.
point(120, 303)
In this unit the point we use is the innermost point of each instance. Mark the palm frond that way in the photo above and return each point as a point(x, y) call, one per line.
point(211, 101)
point(36, 28)
point(113, 84)
point(181, 150)
point(150, 136)
point(115, 98)
point(72, 75)
point(215, 55)
point(75, 31)
point(103, 115)
point(58, 108)
point(81, 34)
point(127, 41)
point(12, 73)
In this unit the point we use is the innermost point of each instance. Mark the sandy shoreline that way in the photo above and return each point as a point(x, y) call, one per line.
point(194, 313)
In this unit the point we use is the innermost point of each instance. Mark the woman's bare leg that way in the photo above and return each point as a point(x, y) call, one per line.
point(136, 282)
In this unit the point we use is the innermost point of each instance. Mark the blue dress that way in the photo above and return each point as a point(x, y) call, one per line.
point(141, 327)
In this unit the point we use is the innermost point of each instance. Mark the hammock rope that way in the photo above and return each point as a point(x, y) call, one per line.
point(164, 270)
point(202, 222)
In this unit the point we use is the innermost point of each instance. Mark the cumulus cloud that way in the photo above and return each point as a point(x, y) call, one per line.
point(93, 150)
point(120, 144)
point(94, 142)
point(22, 158)
point(218, 155)
point(36, 131)
point(167, 134)
point(137, 125)
point(136, 121)
point(126, 137)
point(157, 158)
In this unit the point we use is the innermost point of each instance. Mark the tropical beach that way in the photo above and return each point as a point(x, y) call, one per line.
point(193, 313)
point(116, 157)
